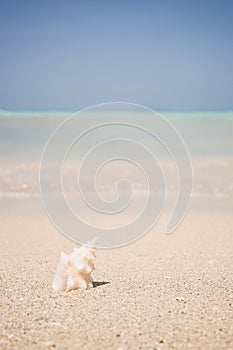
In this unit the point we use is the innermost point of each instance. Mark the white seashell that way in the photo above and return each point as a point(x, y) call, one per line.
point(74, 269)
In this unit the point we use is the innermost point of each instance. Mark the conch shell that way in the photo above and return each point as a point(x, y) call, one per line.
point(74, 269)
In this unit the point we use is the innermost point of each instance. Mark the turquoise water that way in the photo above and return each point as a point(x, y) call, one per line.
point(170, 114)
point(207, 134)
point(24, 133)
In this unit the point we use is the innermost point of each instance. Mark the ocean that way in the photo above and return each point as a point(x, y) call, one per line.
point(208, 136)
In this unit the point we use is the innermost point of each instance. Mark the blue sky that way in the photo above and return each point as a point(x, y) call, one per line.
point(72, 54)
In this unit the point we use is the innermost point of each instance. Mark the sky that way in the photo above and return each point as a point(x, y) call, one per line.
point(58, 54)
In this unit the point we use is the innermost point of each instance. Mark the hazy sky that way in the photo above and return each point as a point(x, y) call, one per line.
point(71, 54)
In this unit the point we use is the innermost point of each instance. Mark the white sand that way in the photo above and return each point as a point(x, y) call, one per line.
point(162, 292)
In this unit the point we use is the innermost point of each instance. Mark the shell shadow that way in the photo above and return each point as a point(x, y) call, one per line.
point(97, 284)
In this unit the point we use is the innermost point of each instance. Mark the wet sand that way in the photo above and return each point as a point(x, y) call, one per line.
point(161, 292)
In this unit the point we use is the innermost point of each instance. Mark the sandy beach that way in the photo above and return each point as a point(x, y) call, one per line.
point(116, 127)
point(162, 292)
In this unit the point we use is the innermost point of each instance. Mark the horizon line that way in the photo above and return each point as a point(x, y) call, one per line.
point(71, 110)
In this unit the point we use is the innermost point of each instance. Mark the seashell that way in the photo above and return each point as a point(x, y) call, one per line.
point(74, 269)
